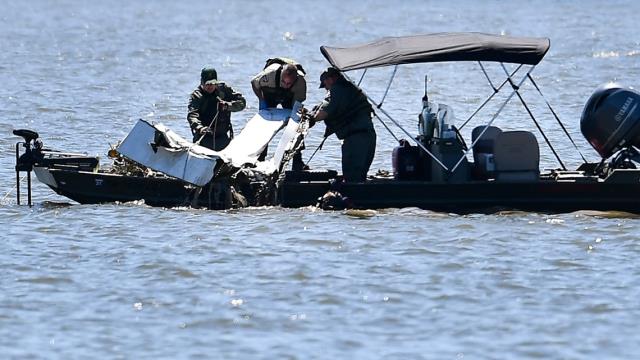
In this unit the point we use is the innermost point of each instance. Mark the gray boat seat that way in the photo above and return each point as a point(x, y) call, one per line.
point(483, 158)
point(517, 156)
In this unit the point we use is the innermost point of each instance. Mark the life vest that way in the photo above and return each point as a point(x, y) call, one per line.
point(278, 95)
point(284, 61)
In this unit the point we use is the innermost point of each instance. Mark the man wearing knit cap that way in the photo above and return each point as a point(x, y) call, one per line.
point(210, 107)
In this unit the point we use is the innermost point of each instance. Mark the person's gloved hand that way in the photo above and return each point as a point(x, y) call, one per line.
point(202, 130)
point(262, 104)
point(306, 116)
point(223, 105)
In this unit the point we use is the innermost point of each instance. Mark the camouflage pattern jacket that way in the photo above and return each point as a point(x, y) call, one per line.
point(203, 108)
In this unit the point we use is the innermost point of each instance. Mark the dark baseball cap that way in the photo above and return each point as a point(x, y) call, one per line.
point(330, 72)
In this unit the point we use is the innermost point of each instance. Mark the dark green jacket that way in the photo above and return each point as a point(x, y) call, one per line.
point(348, 110)
point(203, 108)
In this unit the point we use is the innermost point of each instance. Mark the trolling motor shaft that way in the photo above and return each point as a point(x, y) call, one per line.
point(25, 161)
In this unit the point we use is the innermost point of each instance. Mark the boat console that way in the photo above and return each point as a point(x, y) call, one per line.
point(441, 157)
point(498, 155)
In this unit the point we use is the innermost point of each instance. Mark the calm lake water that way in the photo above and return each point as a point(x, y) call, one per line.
point(129, 281)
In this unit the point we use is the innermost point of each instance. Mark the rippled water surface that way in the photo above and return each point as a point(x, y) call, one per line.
point(131, 281)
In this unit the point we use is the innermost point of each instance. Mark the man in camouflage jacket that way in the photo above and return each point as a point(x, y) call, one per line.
point(210, 108)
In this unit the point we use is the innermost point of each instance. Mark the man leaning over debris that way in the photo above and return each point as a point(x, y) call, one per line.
point(281, 82)
point(210, 107)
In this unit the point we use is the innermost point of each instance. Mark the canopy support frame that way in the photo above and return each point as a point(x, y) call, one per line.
point(386, 91)
point(526, 107)
point(424, 148)
point(362, 76)
point(495, 116)
point(495, 91)
point(557, 118)
point(553, 112)
point(487, 76)
point(515, 91)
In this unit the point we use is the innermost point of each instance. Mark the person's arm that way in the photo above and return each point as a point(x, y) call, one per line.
point(328, 106)
point(257, 89)
point(320, 115)
point(193, 113)
point(235, 100)
point(300, 89)
point(295, 109)
point(255, 85)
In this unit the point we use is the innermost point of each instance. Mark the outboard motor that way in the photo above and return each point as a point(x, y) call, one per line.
point(611, 119)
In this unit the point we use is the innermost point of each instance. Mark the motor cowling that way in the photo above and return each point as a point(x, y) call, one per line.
point(611, 119)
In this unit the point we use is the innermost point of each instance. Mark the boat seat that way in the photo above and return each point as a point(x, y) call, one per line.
point(483, 158)
point(517, 156)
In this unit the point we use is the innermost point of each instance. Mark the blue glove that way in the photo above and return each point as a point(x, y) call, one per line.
point(262, 105)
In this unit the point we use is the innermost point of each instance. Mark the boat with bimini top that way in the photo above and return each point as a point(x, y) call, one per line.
point(434, 168)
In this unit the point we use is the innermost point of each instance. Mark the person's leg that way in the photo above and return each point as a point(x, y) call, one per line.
point(263, 154)
point(371, 151)
point(221, 142)
point(207, 141)
point(357, 154)
point(297, 164)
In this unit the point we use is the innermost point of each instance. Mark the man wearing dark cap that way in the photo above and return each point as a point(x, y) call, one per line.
point(347, 113)
point(210, 108)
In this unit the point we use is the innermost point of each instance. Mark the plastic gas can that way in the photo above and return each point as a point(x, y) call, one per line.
point(406, 161)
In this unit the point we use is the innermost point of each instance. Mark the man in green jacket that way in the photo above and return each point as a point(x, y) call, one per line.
point(347, 113)
point(210, 108)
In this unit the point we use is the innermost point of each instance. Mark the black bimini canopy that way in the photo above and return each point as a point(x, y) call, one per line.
point(438, 47)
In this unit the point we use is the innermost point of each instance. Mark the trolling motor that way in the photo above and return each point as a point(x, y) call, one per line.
point(25, 162)
point(611, 123)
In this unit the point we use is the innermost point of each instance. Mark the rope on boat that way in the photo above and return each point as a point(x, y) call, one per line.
point(215, 124)
point(11, 190)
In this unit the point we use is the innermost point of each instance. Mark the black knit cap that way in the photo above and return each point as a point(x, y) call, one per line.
point(208, 74)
